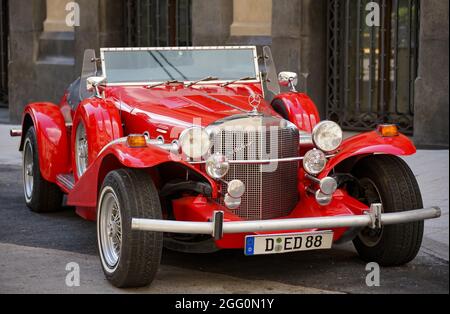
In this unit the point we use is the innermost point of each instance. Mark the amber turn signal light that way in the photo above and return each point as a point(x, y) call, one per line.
point(388, 130)
point(136, 141)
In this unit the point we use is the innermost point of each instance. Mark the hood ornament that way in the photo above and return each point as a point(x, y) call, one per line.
point(255, 101)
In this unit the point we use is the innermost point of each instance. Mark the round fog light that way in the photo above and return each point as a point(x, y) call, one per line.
point(328, 185)
point(217, 166)
point(236, 188)
point(231, 202)
point(314, 162)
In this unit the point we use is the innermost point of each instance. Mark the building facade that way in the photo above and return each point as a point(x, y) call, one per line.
point(362, 62)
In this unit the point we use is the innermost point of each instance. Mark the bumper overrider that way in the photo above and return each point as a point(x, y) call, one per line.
point(373, 218)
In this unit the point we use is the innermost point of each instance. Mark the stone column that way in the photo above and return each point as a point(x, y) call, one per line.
point(57, 42)
point(252, 18)
point(211, 20)
point(299, 44)
point(252, 22)
point(431, 93)
point(56, 17)
point(26, 23)
point(101, 25)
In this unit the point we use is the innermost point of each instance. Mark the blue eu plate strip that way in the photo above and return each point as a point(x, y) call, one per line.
point(250, 246)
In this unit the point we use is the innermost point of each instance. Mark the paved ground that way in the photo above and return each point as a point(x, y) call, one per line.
point(35, 249)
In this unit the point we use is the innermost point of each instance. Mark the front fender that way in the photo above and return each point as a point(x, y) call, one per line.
point(300, 110)
point(51, 136)
point(103, 125)
point(120, 155)
point(370, 143)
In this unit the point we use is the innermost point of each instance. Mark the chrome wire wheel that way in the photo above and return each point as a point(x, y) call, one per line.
point(81, 150)
point(28, 170)
point(110, 229)
point(371, 237)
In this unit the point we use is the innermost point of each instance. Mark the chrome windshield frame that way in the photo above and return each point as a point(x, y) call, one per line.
point(253, 48)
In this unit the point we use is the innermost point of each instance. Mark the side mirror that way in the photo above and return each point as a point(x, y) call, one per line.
point(93, 82)
point(288, 79)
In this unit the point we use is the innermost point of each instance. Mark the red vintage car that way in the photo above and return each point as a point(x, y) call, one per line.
point(198, 150)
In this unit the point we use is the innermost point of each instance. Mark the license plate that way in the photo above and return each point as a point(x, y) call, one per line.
point(287, 243)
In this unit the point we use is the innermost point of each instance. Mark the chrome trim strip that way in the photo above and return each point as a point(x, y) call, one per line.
point(208, 228)
point(255, 162)
point(259, 162)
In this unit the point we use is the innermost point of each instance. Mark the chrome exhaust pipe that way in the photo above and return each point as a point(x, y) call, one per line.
point(15, 133)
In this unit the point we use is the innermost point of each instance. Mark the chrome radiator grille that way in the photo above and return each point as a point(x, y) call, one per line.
point(271, 190)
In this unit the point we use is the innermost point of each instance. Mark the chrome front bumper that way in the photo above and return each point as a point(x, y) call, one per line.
point(374, 218)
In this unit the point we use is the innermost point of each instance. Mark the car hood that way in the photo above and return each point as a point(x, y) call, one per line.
point(183, 107)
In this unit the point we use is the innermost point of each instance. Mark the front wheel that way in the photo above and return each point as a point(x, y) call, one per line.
point(130, 259)
point(388, 180)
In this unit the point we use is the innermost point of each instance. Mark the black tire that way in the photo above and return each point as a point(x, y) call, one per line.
point(43, 196)
point(398, 189)
point(140, 253)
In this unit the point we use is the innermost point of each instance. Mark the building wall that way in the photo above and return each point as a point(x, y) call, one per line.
point(432, 86)
point(296, 30)
point(43, 62)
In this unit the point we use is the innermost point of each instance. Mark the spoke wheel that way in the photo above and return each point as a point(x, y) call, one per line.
point(81, 150)
point(28, 170)
point(110, 229)
point(129, 258)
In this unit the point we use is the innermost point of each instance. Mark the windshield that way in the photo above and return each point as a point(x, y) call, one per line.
point(184, 65)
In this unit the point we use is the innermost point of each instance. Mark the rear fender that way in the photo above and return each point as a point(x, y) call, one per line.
point(52, 138)
point(363, 145)
point(120, 155)
point(300, 110)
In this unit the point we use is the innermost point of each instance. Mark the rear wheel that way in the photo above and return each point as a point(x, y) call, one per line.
point(388, 180)
point(41, 196)
point(129, 258)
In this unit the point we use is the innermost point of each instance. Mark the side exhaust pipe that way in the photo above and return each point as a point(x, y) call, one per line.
point(15, 133)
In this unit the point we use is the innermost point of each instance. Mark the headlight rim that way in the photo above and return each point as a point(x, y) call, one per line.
point(190, 129)
point(225, 162)
point(305, 159)
point(315, 134)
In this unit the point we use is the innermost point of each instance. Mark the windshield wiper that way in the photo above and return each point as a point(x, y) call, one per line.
point(247, 78)
point(164, 83)
point(206, 79)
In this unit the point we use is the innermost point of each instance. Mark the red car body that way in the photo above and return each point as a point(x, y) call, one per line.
point(167, 111)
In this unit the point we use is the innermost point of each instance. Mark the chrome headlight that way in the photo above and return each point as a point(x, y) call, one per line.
point(217, 166)
point(195, 142)
point(314, 162)
point(328, 136)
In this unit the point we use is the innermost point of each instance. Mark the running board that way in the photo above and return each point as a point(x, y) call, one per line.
point(65, 182)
